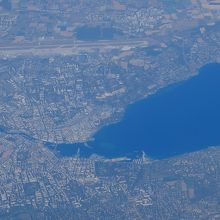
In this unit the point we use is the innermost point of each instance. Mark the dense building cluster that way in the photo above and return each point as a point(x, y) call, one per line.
point(67, 98)
point(70, 67)
point(29, 21)
point(36, 184)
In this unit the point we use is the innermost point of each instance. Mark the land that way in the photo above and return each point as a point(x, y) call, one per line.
point(35, 184)
point(58, 86)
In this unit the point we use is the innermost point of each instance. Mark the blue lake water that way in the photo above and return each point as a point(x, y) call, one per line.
point(178, 119)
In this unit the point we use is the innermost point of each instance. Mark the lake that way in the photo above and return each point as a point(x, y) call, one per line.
point(179, 119)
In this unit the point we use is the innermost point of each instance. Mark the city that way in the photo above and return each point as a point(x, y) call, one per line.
point(70, 67)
